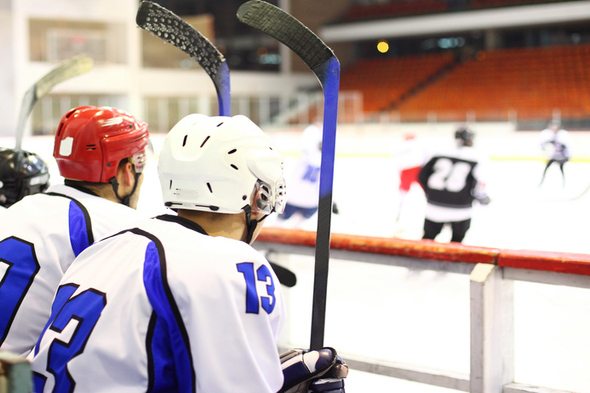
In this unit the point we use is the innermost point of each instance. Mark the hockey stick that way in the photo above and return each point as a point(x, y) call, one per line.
point(168, 26)
point(66, 70)
point(326, 67)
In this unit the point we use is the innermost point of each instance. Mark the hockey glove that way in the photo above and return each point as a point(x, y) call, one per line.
point(313, 371)
point(483, 199)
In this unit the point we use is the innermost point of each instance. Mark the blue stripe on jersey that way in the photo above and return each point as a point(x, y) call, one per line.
point(161, 370)
point(80, 234)
point(169, 333)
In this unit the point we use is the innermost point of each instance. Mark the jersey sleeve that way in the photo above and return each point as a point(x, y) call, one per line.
point(232, 309)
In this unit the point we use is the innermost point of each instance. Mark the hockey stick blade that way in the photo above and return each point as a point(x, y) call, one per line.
point(326, 67)
point(169, 27)
point(285, 276)
point(68, 69)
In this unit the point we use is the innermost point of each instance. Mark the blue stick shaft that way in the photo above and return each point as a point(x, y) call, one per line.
point(329, 77)
point(222, 85)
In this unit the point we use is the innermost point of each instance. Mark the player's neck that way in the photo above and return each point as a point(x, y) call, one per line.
point(217, 224)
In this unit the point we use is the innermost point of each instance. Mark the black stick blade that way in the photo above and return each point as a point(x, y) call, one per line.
point(286, 29)
point(171, 28)
point(285, 276)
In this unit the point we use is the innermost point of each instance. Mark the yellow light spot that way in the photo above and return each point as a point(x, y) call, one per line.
point(382, 46)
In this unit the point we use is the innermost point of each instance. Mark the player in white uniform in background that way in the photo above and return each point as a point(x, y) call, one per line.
point(303, 177)
point(100, 153)
point(21, 173)
point(555, 142)
point(452, 181)
point(182, 303)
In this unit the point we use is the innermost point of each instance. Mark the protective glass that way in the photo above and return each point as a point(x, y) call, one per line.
point(269, 201)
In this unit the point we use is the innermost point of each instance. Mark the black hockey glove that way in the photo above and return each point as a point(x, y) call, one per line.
point(313, 371)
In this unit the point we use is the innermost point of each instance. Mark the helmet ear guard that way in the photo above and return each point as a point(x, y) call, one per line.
point(268, 202)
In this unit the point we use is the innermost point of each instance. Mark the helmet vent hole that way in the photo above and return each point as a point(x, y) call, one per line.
point(235, 167)
point(184, 140)
point(170, 185)
point(232, 151)
point(209, 187)
point(219, 124)
point(205, 141)
point(214, 208)
point(244, 197)
point(91, 147)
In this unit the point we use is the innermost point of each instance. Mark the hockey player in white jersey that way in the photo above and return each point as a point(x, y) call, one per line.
point(304, 178)
point(100, 153)
point(452, 181)
point(22, 173)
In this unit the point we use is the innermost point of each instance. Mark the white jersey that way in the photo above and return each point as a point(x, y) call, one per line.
point(39, 238)
point(164, 308)
point(303, 175)
point(303, 178)
point(556, 144)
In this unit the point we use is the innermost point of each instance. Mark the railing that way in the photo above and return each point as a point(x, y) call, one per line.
point(492, 275)
point(300, 109)
point(162, 113)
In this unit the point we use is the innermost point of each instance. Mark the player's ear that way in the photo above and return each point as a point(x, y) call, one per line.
point(125, 174)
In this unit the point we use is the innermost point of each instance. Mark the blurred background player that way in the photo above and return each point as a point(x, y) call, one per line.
point(452, 181)
point(409, 158)
point(100, 151)
point(22, 173)
point(191, 296)
point(556, 144)
point(304, 179)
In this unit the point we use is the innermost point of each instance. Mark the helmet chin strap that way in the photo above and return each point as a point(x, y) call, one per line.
point(250, 224)
point(125, 199)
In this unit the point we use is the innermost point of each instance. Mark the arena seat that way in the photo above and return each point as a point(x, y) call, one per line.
point(529, 83)
point(385, 81)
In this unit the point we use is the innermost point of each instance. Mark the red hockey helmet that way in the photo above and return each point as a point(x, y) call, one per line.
point(90, 142)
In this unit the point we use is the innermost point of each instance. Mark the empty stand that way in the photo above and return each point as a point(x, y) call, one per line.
point(384, 81)
point(529, 83)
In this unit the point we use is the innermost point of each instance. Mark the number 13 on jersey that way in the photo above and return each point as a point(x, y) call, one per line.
point(254, 299)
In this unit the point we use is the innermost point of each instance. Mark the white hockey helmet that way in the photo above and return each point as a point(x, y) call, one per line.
point(215, 163)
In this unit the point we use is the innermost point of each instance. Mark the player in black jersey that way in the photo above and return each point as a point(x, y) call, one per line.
point(452, 182)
